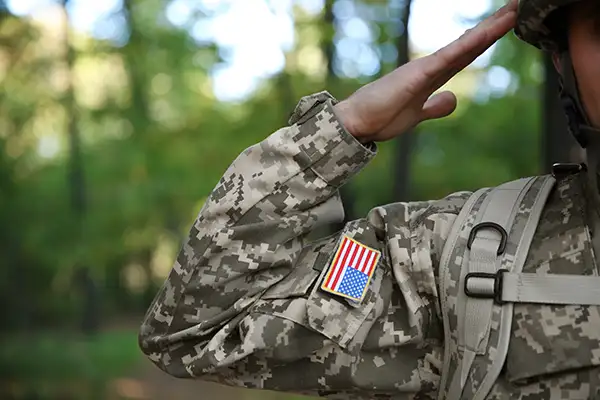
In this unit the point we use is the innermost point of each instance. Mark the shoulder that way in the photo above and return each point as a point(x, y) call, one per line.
point(411, 215)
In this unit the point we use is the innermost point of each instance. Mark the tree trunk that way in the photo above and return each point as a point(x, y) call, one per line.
point(558, 145)
point(286, 94)
point(90, 321)
point(134, 56)
point(16, 271)
point(328, 48)
point(328, 45)
point(405, 143)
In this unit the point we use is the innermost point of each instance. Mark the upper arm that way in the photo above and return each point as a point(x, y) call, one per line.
point(296, 337)
point(288, 337)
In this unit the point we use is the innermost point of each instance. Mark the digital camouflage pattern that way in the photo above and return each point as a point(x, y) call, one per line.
point(531, 22)
point(554, 350)
point(242, 306)
point(451, 280)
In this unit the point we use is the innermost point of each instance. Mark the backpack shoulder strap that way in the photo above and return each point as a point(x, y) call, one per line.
point(480, 271)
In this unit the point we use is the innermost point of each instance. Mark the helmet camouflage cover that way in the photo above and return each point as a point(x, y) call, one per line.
point(532, 18)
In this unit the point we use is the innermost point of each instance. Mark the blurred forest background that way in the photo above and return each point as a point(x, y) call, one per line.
point(111, 140)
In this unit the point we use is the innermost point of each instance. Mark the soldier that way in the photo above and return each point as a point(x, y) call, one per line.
point(492, 294)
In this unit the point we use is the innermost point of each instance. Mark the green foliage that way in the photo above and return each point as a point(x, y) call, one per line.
point(155, 142)
point(56, 365)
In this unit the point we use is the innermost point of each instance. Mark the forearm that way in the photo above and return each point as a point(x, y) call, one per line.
point(251, 228)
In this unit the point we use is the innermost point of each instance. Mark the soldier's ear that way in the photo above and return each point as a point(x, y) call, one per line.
point(556, 62)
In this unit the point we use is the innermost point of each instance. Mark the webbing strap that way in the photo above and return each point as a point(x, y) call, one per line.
point(535, 288)
point(454, 241)
point(487, 242)
point(467, 313)
point(593, 158)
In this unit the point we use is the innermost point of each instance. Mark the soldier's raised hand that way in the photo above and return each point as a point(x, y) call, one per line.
point(398, 101)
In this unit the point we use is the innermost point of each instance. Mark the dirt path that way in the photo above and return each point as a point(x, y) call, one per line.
point(149, 383)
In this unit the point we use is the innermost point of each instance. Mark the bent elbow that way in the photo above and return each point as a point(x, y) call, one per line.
point(155, 347)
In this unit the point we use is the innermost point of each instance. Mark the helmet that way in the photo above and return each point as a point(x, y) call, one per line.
point(532, 22)
point(539, 24)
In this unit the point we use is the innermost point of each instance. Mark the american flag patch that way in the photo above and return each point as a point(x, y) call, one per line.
point(351, 270)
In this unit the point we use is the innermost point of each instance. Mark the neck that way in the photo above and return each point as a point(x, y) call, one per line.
point(592, 147)
point(592, 189)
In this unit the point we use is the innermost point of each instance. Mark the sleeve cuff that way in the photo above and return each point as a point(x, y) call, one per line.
point(332, 151)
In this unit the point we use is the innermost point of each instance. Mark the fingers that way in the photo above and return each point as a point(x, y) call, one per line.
point(472, 44)
point(438, 106)
point(399, 100)
point(470, 53)
point(447, 61)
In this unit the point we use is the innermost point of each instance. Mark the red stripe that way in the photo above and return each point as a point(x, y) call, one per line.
point(352, 261)
point(362, 263)
point(365, 267)
point(353, 247)
point(338, 266)
point(370, 263)
point(356, 262)
point(337, 262)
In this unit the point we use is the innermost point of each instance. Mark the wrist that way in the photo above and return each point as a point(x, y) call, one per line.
point(346, 116)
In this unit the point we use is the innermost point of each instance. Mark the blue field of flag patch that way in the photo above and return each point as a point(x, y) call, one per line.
point(353, 283)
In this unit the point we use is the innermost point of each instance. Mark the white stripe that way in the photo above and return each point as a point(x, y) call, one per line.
point(370, 263)
point(336, 267)
point(350, 255)
point(363, 260)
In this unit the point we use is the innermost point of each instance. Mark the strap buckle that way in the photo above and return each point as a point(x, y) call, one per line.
point(560, 170)
point(482, 293)
point(494, 226)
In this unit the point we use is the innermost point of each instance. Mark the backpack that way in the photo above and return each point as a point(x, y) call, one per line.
point(481, 278)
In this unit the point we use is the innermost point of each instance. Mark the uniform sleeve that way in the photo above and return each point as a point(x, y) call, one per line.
point(243, 306)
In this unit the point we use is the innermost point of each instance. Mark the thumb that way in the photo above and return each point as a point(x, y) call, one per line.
point(438, 106)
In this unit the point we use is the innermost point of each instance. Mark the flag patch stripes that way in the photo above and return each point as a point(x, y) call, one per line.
point(351, 270)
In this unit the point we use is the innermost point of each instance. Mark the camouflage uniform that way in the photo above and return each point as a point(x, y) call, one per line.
point(243, 306)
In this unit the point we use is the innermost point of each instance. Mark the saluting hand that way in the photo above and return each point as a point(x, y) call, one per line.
point(395, 103)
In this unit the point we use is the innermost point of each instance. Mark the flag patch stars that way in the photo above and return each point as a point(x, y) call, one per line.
point(351, 270)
